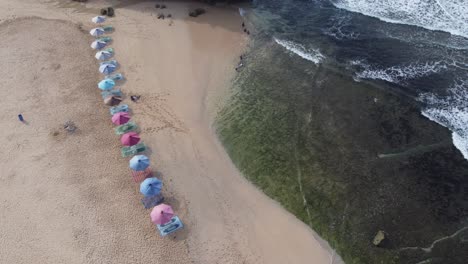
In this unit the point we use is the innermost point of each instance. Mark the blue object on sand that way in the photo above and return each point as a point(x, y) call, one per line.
point(151, 187)
point(170, 227)
point(139, 163)
point(120, 108)
point(107, 68)
point(106, 84)
point(111, 62)
point(20, 117)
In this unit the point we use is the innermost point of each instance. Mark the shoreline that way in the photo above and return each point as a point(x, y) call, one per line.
point(178, 73)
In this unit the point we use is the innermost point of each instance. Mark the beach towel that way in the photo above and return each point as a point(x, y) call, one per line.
point(105, 39)
point(125, 128)
point(170, 227)
point(115, 92)
point(139, 176)
point(115, 77)
point(133, 150)
point(121, 108)
point(152, 201)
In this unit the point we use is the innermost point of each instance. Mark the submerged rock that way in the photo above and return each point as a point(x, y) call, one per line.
point(379, 238)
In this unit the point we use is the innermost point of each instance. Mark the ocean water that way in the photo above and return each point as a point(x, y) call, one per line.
point(353, 114)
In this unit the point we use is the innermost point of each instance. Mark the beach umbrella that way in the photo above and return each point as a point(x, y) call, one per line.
point(150, 187)
point(107, 68)
point(139, 163)
point(106, 84)
point(161, 214)
point(103, 55)
point(98, 19)
point(130, 139)
point(96, 32)
point(98, 44)
point(112, 100)
point(120, 118)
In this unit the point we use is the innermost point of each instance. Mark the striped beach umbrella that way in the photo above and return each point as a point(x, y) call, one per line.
point(161, 214)
point(151, 186)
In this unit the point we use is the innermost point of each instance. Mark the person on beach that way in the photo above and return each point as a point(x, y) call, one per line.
point(20, 117)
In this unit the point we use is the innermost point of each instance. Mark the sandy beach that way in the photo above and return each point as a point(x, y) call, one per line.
point(69, 197)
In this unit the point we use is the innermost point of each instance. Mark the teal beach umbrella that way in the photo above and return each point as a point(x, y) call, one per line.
point(106, 84)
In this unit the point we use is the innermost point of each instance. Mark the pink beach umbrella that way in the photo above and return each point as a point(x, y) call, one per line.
point(161, 214)
point(130, 139)
point(120, 118)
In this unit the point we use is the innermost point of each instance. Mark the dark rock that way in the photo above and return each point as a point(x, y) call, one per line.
point(169, 16)
point(157, 6)
point(197, 12)
point(135, 98)
point(103, 11)
point(163, 6)
point(160, 16)
point(110, 11)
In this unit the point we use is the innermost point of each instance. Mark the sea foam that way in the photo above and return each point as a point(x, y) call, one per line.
point(444, 15)
point(313, 55)
point(398, 74)
point(450, 111)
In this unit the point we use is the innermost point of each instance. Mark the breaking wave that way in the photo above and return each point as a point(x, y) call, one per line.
point(313, 55)
point(397, 74)
point(443, 15)
point(450, 111)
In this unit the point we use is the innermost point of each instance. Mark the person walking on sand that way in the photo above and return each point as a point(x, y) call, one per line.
point(20, 117)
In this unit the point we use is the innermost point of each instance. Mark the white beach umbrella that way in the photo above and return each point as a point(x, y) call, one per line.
point(98, 44)
point(103, 55)
point(96, 32)
point(98, 19)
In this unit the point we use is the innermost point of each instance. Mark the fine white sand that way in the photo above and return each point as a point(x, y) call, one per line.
point(69, 198)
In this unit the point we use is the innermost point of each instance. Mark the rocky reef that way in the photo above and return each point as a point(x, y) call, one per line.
point(356, 162)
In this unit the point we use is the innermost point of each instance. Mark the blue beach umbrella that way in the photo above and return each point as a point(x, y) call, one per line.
point(98, 44)
point(106, 84)
point(139, 163)
point(151, 187)
point(107, 68)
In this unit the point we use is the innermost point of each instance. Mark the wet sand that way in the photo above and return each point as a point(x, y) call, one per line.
point(69, 198)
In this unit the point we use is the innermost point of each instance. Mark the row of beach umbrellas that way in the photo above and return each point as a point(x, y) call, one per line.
point(149, 187)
